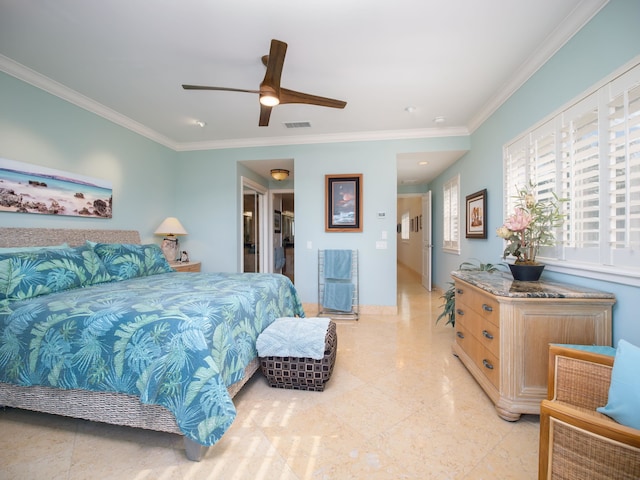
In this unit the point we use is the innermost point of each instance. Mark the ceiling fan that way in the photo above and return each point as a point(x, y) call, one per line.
point(271, 94)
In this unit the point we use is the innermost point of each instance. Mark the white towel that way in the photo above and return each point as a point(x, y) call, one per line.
point(294, 337)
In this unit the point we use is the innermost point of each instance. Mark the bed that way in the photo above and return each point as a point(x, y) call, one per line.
point(131, 342)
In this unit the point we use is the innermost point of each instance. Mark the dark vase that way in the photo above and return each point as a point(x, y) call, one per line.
point(526, 273)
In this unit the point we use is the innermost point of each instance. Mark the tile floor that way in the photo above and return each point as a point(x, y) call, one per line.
point(399, 406)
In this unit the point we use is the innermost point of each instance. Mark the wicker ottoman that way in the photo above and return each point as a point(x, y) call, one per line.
point(302, 373)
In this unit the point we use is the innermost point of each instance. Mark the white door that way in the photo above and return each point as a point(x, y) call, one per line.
point(427, 246)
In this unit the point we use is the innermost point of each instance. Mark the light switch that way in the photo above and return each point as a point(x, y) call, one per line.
point(309, 245)
point(383, 235)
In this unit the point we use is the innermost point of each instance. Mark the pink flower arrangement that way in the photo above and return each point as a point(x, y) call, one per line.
point(531, 225)
point(520, 220)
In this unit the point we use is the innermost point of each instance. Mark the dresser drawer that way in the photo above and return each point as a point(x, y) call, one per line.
point(484, 305)
point(486, 362)
point(485, 332)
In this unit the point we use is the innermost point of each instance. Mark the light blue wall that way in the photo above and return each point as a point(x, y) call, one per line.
point(41, 129)
point(606, 43)
point(207, 193)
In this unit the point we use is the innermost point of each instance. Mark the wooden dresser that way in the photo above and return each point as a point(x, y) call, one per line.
point(503, 329)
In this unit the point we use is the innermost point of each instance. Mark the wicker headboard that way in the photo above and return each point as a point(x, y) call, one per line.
point(40, 237)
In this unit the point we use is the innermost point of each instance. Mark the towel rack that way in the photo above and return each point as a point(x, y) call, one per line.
point(326, 307)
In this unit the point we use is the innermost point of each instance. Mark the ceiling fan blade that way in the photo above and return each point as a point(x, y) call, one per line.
point(275, 62)
point(223, 89)
point(265, 114)
point(290, 96)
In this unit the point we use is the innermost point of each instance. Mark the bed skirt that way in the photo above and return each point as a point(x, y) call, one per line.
point(107, 407)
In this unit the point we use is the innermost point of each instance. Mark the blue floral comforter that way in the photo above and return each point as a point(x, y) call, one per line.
point(173, 339)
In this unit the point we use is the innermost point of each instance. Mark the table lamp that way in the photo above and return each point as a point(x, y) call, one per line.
point(170, 227)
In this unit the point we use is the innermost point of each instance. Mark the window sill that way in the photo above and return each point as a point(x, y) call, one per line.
point(595, 272)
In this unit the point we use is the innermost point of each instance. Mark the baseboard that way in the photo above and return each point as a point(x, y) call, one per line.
point(311, 309)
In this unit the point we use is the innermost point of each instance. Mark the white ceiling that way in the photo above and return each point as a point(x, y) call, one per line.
point(126, 60)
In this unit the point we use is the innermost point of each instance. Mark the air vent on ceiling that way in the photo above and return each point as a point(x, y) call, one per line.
point(297, 124)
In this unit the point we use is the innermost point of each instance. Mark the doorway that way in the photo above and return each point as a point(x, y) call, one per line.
point(284, 233)
point(252, 235)
point(414, 247)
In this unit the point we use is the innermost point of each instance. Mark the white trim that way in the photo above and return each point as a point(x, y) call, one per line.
point(635, 61)
point(596, 97)
point(42, 82)
point(262, 227)
point(327, 138)
point(38, 80)
point(594, 272)
point(577, 19)
point(571, 25)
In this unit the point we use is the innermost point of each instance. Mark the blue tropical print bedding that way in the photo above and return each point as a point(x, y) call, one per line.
point(174, 339)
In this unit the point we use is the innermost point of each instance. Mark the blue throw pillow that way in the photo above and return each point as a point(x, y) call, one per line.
point(31, 273)
point(124, 261)
point(623, 404)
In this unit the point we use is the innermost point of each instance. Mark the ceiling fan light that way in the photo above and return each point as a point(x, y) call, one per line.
point(269, 100)
point(279, 174)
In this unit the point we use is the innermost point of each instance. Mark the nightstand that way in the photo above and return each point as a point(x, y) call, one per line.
point(186, 266)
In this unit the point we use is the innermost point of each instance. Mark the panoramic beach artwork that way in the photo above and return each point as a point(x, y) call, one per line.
point(27, 188)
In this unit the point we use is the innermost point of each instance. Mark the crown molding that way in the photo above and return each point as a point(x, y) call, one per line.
point(582, 14)
point(577, 19)
point(327, 138)
point(19, 71)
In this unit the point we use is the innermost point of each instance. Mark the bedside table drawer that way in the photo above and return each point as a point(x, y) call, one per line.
point(186, 267)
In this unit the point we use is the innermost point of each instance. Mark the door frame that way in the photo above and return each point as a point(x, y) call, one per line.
point(427, 241)
point(265, 220)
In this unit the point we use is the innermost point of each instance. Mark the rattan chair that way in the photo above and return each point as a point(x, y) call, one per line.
point(576, 442)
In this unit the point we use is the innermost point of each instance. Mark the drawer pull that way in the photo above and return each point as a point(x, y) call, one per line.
point(459, 291)
point(487, 335)
point(487, 364)
point(460, 334)
point(487, 308)
point(460, 312)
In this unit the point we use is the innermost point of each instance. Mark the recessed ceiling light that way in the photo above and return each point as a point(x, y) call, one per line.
point(423, 162)
point(410, 109)
point(439, 120)
point(201, 124)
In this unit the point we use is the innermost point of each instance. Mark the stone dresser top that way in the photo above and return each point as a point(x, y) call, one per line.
point(503, 285)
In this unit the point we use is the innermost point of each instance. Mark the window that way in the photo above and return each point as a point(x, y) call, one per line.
point(589, 152)
point(451, 195)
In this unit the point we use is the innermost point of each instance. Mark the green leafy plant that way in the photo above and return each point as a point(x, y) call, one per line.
point(449, 296)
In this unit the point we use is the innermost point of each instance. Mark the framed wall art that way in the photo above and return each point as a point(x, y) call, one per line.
point(277, 221)
point(29, 188)
point(476, 215)
point(343, 203)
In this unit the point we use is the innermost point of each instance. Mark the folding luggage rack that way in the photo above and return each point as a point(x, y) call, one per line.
point(326, 304)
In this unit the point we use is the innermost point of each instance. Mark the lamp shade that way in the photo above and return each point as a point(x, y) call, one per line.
point(170, 226)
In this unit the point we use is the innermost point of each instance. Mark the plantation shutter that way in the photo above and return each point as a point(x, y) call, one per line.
point(589, 153)
point(624, 173)
point(580, 168)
